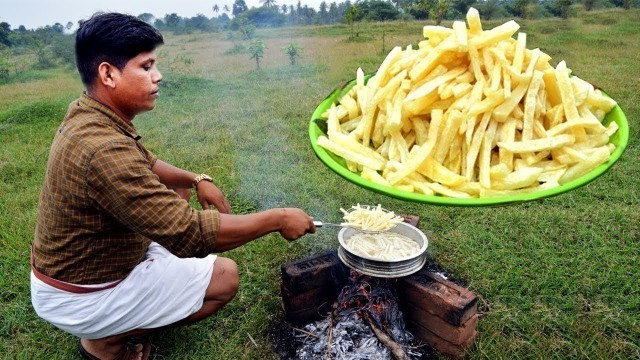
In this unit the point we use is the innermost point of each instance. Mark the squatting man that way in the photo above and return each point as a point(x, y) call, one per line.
point(118, 251)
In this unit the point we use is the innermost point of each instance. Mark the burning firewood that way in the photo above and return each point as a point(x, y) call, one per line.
point(394, 347)
point(365, 323)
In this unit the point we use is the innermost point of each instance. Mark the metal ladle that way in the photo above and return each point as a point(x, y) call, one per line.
point(320, 224)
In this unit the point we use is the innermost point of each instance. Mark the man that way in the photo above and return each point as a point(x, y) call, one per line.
point(117, 252)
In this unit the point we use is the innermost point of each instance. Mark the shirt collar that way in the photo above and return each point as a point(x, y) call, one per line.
point(126, 126)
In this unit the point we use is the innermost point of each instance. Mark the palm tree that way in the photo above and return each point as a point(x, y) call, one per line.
point(216, 8)
point(284, 9)
point(268, 3)
point(225, 7)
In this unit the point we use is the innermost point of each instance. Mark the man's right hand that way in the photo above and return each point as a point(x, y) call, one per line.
point(295, 223)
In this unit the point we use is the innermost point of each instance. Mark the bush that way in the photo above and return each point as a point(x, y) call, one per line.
point(5, 68)
point(238, 48)
point(559, 8)
point(293, 51)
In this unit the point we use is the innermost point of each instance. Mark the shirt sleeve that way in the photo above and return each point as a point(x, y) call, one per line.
point(151, 157)
point(120, 181)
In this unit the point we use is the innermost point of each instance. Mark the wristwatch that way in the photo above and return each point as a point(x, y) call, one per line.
point(200, 178)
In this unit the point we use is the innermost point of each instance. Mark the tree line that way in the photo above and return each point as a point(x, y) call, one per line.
point(23, 49)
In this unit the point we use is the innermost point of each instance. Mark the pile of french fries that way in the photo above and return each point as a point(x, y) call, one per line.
point(470, 113)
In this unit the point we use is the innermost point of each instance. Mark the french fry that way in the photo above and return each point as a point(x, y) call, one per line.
point(372, 175)
point(518, 179)
point(484, 163)
point(494, 35)
point(473, 19)
point(600, 156)
point(416, 158)
point(548, 143)
point(350, 155)
point(460, 31)
point(438, 173)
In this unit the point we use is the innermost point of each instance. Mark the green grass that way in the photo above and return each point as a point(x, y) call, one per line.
point(557, 278)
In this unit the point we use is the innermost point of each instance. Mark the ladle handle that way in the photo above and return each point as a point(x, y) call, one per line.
point(319, 224)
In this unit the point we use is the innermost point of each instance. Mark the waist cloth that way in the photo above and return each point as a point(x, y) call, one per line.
point(160, 291)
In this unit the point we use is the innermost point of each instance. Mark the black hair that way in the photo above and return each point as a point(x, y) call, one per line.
point(114, 38)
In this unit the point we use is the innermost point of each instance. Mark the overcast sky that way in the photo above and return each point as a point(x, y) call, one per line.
point(36, 13)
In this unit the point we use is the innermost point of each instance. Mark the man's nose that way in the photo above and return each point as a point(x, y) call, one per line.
point(157, 76)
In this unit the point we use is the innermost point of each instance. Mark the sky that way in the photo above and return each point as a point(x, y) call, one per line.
point(33, 14)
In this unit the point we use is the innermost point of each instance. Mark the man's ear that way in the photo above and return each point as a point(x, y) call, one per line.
point(107, 74)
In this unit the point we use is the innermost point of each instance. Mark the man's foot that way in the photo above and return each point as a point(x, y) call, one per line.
point(98, 350)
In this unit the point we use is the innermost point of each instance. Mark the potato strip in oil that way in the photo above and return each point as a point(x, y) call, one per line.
point(382, 246)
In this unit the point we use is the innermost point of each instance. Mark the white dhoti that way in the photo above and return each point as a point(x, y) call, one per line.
point(161, 290)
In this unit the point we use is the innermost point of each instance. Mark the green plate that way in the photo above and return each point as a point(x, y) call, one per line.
point(318, 127)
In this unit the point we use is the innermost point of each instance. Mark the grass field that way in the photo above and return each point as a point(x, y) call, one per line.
point(557, 278)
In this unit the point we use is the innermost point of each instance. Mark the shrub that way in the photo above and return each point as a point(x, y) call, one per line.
point(256, 49)
point(293, 51)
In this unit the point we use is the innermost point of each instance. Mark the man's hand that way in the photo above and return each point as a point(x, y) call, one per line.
point(209, 194)
point(295, 223)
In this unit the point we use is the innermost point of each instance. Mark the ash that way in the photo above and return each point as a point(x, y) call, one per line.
point(347, 330)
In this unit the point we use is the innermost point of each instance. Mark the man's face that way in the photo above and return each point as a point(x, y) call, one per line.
point(137, 85)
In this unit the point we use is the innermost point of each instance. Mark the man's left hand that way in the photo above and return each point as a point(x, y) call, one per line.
point(209, 194)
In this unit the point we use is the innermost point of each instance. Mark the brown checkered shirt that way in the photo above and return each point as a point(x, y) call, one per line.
point(101, 205)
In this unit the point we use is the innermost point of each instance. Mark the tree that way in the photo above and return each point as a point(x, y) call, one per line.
point(588, 4)
point(268, 3)
point(489, 8)
point(307, 15)
point(293, 51)
point(284, 8)
point(246, 28)
point(333, 12)
point(215, 9)
point(564, 6)
point(256, 50)
point(376, 10)
point(517, 7)
point(239, 6)
point(350, 16)
point(420, 9)
point(439, 10)
point(324, 13)
point(225, 8)
point(172, 20)
point(293, 17)
point(462, 6)
point(57, 28)
point(5, 30)
point(5, 67)
point(146, 17)
point(69, 26)
point(200, 22)
point(264, 16)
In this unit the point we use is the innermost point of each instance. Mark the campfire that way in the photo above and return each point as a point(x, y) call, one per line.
point(364, 323)
point(333, 312)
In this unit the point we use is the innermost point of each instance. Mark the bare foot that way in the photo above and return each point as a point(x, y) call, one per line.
point(103, 349)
